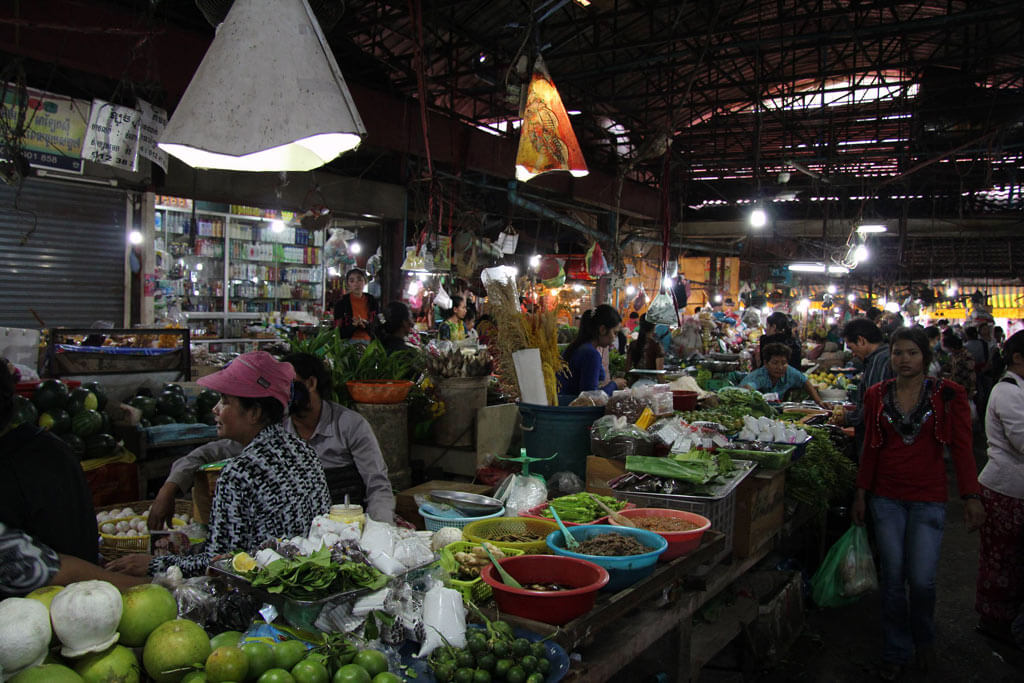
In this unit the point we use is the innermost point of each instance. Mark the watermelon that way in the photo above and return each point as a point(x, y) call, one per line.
point(144, 391)
point(87, 423)
point(161, 419)
point(171, 403)
point(208, 418)
point(176, 388)
point(99, 446)
point(189, 416)
point(206, 400)
point(75, 443)
point(51, 394)
point(24, 412)
point(105, 424)
point(81, 399)
point(57, 421)
point(146, 404)
point(99, 391)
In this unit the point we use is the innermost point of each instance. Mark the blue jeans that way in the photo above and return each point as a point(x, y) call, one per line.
point(909, 537)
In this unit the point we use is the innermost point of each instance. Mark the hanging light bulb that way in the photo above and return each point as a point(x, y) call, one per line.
point(630, 290)
point(718, 298)
point(892, 307)
point(277, 226)
point(804, 305)
point(861, 254)
point(232, 117)
point(851, 297)
point(535, 261)
point(354, 247)
point(135, 237)
point(333, 272)
point(199, 266)
point(758, 218)
point(831, 289)
point(666, 281)
point(546, 139)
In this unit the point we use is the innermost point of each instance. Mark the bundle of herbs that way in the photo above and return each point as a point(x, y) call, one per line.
point(823, 476)
point(315, 576)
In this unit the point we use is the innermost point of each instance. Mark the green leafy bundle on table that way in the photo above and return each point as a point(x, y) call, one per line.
point(315, 576)
point(580, 508)
point(752, 401)
point(823, 475)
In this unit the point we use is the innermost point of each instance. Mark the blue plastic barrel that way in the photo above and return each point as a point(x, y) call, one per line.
point(558, 429)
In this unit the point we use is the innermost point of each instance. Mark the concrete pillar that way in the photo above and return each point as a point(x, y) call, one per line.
point(390, 424)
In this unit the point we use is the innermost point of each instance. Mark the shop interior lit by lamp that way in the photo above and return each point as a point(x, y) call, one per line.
point(546, 139)
point(233, 117)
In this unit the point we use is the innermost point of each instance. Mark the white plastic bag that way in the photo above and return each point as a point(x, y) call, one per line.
point(662, 311)
point(519, 493)
point(442, 298)
point(444, 619)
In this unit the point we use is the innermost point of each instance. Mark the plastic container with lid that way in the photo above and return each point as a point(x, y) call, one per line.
point(348, 513)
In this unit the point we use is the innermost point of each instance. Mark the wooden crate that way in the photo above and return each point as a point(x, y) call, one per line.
point(759, 511)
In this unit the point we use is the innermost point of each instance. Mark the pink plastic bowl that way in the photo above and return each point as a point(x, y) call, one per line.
point(549, 607)
point(679, 542)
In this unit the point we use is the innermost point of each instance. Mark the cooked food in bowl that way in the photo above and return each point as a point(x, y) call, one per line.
point(548, 587)
point(664, 524)
point(525, 537)
point(608, 545)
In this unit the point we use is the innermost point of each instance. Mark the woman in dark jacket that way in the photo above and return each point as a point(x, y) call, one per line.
point(778, 331)
point(355, 312)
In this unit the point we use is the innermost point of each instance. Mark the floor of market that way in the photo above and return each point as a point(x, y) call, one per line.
point(842, 645)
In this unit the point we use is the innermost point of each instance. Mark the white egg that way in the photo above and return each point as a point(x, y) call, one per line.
point(102, 517)
point(127, 512)
point(108, 528)
point(123, 525)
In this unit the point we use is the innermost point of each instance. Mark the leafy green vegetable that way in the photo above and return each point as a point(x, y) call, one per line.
point(822, 475)
point(315, 576)
point(697, 472)
point(752, 401)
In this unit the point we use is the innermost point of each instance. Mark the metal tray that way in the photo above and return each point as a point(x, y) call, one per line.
point(745, 467)
point(470, 504)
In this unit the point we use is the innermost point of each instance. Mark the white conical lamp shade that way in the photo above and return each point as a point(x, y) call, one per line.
point(268, 95)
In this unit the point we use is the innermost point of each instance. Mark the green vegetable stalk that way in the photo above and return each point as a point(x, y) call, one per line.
point(696, 472)
point(580, 508)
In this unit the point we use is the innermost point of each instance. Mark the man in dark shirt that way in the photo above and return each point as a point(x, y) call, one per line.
point(866, 342)
point(43, 491)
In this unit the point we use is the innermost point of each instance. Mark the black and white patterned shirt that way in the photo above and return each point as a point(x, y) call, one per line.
point(273, 489)
point(25, 564)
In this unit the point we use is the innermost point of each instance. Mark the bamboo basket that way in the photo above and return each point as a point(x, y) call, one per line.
point(113, 547)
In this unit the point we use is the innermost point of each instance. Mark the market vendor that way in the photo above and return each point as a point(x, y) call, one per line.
point(355, 312)
point(348, 450)
point(395, 329)
point(272, 489)
point(452, 327)
point(778, 376)
point(585, 372)
point(777, 330)
point(645, 353)
point(43, 491)
point(26, 564)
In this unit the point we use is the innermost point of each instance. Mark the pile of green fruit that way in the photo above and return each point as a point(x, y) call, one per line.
point(171, 406)
point(74, 415)
point(491, 654)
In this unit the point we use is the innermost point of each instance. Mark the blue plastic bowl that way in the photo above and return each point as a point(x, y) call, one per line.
point(624, 570)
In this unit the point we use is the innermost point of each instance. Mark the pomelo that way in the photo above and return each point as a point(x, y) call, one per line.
point(227, 638)
point(145, 607)
point(45, 594)
point(226, 663)
point(174, 645)
point(195, 677)
point(116, 665)
point(47, 673)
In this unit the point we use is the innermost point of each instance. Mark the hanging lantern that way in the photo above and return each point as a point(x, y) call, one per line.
point(546, 140)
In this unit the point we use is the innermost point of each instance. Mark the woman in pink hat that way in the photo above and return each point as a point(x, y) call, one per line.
point(273, 489)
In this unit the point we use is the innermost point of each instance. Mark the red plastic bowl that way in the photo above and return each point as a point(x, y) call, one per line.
point(26, 389)
point(684, 400)
point(535, 513)
point(549, 607)
point(679, 542)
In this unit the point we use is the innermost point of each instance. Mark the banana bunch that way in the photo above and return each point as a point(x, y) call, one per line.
point(825, 380)
point(455, 363)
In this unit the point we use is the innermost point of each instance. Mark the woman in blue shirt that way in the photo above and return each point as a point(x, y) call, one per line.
point(586, 373)
point(778, 376)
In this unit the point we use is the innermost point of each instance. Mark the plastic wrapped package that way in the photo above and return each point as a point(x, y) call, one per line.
point(412, 551)
point(564, 484)
point(444, 619)
point(378, 536)
point(521, 492)
point(624, 404)
point(661, 399)
point(596, 397)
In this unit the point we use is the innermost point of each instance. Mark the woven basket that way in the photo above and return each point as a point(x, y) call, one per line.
point(489, 529)
point(475, 590)
point(112, 547)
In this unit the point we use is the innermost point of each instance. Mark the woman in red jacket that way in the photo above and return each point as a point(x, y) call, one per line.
point(909, 421)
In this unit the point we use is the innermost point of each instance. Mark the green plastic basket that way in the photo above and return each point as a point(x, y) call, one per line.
point(474, 590)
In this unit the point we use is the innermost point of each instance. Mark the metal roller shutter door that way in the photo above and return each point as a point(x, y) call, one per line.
point(70, 270)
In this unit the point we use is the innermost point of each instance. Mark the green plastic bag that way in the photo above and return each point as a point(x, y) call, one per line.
point(848, 571)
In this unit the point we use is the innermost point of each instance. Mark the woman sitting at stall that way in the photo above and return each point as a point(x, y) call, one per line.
point(645, 353)
point(452, 327)
point(342, 438)
point(777, 330)
point(586, 372)
point(355, 312)
point(777, 376)
point(272, 489)
point(910, 421)
point(396, 327)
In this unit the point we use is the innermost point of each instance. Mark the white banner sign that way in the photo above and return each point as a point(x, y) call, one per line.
point(154, 120)
point(112, 137)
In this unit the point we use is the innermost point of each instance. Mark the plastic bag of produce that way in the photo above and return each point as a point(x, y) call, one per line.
point(519, 493)
point(847, 572)
point(444, 619)
point(662, 311)
point(590, 398)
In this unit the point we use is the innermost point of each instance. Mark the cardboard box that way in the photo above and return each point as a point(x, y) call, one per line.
point(405, 502)
point(602, 470)
point(760, 509)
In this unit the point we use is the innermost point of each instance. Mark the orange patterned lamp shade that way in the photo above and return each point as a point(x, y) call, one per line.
point(546, 141)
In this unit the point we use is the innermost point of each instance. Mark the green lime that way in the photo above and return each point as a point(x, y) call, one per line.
point(465, 659)
point(535, 678)
point(486, 661)
point(543, 665)
point(520, 647)
point(477, 642)
point(516, 675)
point(463, 675)
point(501, 668)
point(500, 649)
point(481, 676)
point(386, 677)
point(275, 676)
point(226, 663)
point(226, 638)
point(529, 663)
point(351, 673)
point(260, 656)
point(539, 650)
point(310, 670)
point(373, 661)
point(444, 671)
point(288, 653)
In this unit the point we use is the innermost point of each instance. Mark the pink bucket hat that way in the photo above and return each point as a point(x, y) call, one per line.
point(253, 375)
